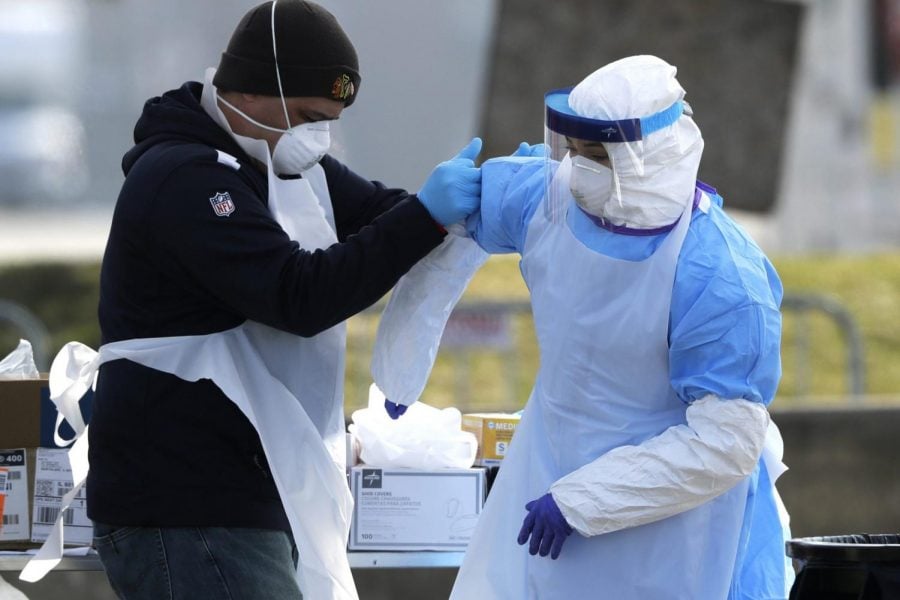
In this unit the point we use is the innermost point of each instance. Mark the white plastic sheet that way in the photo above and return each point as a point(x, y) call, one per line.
point(19, 364)
point(424, 438)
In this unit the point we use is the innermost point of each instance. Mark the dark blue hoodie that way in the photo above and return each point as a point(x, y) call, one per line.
point(169, 453)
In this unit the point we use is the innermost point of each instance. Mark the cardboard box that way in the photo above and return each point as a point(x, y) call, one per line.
point(37, 479)
point(409, 509)
point(53, 479)
point(29, 416)
point(494, 431)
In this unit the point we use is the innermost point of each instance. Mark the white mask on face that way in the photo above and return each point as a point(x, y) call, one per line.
point(591, 183)
point(301, 147)
point(644, 193)
point(298, 148)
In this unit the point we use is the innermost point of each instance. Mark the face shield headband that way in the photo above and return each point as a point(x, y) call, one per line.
point(562, 120)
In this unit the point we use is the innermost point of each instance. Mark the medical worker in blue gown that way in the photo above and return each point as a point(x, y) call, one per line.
point(644, 464)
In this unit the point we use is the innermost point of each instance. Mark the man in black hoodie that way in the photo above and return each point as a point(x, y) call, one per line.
point(182, 494)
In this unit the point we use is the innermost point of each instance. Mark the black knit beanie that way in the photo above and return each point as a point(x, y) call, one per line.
point(315, 56)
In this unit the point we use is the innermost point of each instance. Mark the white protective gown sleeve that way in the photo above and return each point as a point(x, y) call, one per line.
point(409, 332)
point(678, 470)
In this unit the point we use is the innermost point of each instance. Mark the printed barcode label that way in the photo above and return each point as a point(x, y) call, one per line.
point(48, 514)
point(3, 475)
point(10, 519)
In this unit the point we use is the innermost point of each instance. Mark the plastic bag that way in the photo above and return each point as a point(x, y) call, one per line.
point(19, 364)
point(413, 321)
point(424, 438)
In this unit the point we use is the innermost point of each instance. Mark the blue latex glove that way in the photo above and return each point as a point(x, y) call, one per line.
point(546, 525)
point(453, 190)
point(394, 410)
point(528, 150)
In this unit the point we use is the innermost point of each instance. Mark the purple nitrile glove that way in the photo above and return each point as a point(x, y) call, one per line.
point(393, 409)
point(546, 525)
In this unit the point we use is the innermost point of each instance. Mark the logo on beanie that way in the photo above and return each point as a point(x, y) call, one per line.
point(342, 88)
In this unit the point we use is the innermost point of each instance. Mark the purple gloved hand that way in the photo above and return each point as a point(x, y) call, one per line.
point(393, 409)
point(546, 525)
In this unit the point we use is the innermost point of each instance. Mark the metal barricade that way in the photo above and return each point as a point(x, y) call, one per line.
point(503, 332)
point(805, 304)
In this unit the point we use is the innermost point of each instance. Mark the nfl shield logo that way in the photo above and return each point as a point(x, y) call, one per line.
point(222, 204)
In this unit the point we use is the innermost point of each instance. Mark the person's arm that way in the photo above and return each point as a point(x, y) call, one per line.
point(451, 192)
point(680, 469)
point(357, 201)
point(511, 191)
point(248, 264)
point(725, 363)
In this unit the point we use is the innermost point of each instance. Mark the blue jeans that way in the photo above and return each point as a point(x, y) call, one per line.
point(198, 563)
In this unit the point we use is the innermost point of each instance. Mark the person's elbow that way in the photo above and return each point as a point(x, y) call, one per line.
point(735, 429)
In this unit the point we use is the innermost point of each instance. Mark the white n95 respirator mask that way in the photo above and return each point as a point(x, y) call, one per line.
point(591, 184)
point(301, 147)
point(298, 148)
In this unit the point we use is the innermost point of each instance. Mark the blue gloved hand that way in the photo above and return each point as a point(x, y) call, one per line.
point(529, 150)
point(546, 525)
point(453, 190)
point(394, 410)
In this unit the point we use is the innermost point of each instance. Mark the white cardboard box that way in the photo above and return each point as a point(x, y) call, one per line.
point(408, 509)
point(52, 479)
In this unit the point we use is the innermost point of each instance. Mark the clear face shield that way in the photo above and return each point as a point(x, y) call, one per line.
point(588, 160)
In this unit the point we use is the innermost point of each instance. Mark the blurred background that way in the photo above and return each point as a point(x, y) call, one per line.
point(798, 100)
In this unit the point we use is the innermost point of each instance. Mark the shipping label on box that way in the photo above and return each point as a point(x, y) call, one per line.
point(15, 506)
point(52, 480)
point(409, 509)
point(494, 432)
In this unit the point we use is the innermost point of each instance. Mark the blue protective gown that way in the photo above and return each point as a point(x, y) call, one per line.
point(724, 327)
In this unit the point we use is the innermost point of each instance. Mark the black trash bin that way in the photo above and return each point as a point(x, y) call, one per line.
point(846, 567)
